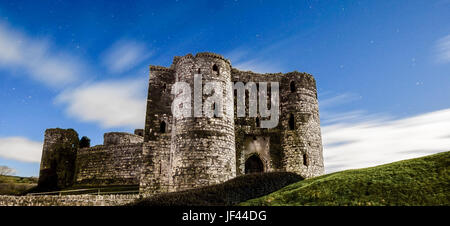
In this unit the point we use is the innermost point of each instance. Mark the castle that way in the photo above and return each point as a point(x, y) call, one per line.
point(173, 154)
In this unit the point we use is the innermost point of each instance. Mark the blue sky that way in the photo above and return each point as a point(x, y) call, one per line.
point(382, 67)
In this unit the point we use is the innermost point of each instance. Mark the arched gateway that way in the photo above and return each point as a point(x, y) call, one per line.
point(254, 165)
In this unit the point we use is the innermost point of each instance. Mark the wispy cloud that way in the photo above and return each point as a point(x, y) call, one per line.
point(443, 49)
point(37, 59)
point(366, 140)
point(269, 58)
point(336, 100)
point(113, 103)
point(21, 149)
point(124, 55)
point(246, 60)
point(331, 111)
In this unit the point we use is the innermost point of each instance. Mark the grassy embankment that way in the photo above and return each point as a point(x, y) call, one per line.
point(419, 181)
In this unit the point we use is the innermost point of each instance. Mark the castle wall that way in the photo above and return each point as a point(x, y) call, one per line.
point(115, 138)
point(159, 102)
point(109, 165)
point(247, 128)
point(68, 200)
point(259, 146)
point(156, 166)
point(298, 150)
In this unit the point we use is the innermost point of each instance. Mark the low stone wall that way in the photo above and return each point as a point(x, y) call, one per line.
point(109, 165)
point(67, 200)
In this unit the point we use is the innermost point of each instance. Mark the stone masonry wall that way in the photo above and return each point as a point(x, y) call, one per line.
point(58, 158)
point(115, 138)
point(248, 132)
point(303, 142)
point(156, 165)
point(109, 165)
point(296, 150)
point(159, 99)
point(68, 200)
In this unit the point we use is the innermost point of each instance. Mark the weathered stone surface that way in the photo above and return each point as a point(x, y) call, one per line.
point(115, 138)
point(109, 165)
point(199, 146)
point(58, 158)
point(68, 200)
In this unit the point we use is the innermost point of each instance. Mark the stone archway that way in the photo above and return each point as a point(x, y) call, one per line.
point(254, 165)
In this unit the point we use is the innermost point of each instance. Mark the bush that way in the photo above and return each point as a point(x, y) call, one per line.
point(232, 192)
point(85, 142)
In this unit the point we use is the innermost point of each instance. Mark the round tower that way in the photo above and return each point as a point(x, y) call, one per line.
point(203, 147)
point(301, 139)
point(57, 168)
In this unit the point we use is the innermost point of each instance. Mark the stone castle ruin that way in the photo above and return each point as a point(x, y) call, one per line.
point(173, 154)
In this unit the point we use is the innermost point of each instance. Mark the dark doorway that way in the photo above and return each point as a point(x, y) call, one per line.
point(292, 86)
point(162, 127)
point(215, 68)
point(254, 165)
point(291, 122)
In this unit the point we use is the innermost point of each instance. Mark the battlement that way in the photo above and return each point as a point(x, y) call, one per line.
point(189, 57)
point(213, 55)
point(160, 68)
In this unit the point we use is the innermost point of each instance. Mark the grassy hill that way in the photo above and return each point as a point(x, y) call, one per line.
point(12, 185)
point(420, 181)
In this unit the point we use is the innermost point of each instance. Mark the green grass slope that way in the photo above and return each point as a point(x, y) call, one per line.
point(420, 181)
point(12, 185)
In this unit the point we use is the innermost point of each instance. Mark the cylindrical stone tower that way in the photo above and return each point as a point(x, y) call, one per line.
point(203, 148)
point(301, 138)
point(58, 158)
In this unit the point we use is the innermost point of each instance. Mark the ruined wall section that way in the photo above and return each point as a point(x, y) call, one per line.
point(109, 165)
point(58, 158)
point(154, 176)
point(301, 138)
point(115, 138)
point(203, 149)
point(159, 114)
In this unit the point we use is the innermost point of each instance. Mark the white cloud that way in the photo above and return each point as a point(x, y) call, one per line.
point(443, 49)
point(376, 140)
point(110, 103)
point(21, 149)
point(329, 102)
point(242, 60)
point(257, 65)
point(124, 55)
point(337, 100)
point(37, 59)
